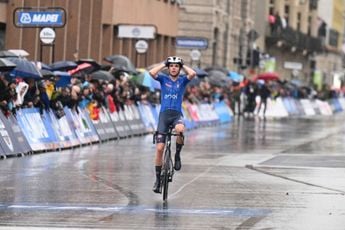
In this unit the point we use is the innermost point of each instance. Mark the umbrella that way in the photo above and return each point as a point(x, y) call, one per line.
point(6, 65)
point(235, 76)
point(46, 73)
point(64, 78)
point(122, 63)
point(92, 62)
point(63, 65)
point(296, 82)
point(19, 52)
point(216, 68)
point(24, 69)
point(218, 78)
point(195, 81)
point(83, 67)
point(268, 76)
point(41, 65)
point(200, 72)
point(102, 75)
point(6, 53)
point(146, 80)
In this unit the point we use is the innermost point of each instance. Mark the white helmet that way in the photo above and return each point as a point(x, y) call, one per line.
point(174, 60)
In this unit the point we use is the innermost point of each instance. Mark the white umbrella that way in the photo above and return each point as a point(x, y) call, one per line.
point(19, 52)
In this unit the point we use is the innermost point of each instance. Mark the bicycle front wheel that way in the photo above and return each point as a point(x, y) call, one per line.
point(166, 172)
point(165, 184)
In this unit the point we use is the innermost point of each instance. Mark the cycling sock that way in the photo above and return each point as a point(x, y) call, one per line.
point(178, 149)
point(158, 172)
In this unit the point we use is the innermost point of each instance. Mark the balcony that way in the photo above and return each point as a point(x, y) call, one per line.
point(294, 40)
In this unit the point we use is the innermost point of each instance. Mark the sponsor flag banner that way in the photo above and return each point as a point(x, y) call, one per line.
point(223, 111)
point(37, 129)
point(134, 120)
point(65, 135)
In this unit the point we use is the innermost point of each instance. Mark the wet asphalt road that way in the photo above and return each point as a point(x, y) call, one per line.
point(249, 174)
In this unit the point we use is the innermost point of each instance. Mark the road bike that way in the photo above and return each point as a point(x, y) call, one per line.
point(167, 172)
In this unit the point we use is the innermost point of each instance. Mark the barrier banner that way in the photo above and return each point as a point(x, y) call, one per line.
point(120, 124)
point(67, 138)
point(82, 126)
point(108, 125)
point(224, 112)
point(342, 102)
point(147, 117)
point(276, 108)
point(155, 109)
point(325, 108)
point(193, 112)
point(316, 107)
point(189, 123)
point(7, 144)
point(299, 107)
point(38, 131)
point(307, 106)
point(290, 106)
point(207, 113)
point(16, 134)
point(2, 152)
point(134, 120)
point(335, 105)
point(104, 126)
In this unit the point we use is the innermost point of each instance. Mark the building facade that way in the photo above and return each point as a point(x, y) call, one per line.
point(92, 29)
point(307, 40)
point(224, 23)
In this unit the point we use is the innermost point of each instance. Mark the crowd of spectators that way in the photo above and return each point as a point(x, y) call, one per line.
point(86, 93)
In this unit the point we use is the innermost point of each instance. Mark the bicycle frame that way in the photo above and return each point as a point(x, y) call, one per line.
point(167, 167)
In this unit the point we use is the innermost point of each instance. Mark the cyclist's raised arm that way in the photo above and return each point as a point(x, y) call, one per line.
point(155, 70)
point(189, 71)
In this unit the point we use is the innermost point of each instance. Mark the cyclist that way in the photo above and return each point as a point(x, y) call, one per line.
point(172, 90)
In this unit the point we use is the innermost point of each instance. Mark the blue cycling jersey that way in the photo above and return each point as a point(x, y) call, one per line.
point(172, 91)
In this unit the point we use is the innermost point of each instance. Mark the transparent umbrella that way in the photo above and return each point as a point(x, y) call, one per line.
point(6, 65)
point(122, 63)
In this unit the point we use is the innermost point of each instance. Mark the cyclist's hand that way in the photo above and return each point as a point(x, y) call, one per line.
point(166, 63)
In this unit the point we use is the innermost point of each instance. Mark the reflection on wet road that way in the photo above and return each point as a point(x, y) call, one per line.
point(249, 174)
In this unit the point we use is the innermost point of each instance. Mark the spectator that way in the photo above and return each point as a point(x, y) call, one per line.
point(264, 93)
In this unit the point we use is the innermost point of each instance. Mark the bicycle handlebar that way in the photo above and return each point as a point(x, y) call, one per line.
point(168, 133)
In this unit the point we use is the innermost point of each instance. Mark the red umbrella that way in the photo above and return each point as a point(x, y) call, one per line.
point(268, 76)
point(81, 67)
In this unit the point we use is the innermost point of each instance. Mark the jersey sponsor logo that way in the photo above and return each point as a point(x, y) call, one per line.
point(170, 96)
point(168, 85)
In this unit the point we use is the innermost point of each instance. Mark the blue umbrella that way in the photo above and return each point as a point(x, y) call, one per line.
point(64, 78)
point(24, 69)
point(150, 82)
point(63, 65)
point(235, 76)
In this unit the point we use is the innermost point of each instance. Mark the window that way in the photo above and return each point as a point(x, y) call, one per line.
point(299, 16)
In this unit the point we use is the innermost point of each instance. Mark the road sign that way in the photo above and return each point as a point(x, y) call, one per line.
point(191, 42)
point(133, 31)
point(141, 46)
point(40, 17)
point(47, 35)
point(195, 55)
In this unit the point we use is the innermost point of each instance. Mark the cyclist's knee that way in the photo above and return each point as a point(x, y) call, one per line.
point(160, 138)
